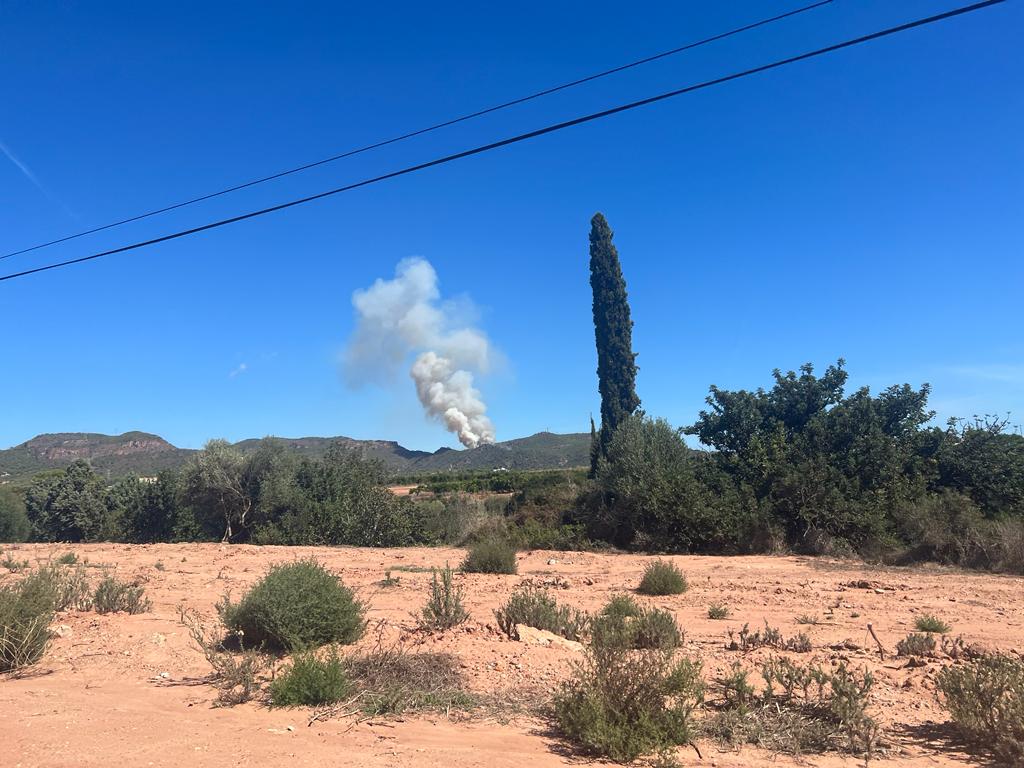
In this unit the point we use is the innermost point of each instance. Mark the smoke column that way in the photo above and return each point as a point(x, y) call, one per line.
point(403, 316)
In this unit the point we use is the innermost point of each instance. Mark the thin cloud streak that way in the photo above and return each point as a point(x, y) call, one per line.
point(28, 174)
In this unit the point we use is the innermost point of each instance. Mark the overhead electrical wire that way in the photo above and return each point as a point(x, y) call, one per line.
point(422, 131)
point(520, 137)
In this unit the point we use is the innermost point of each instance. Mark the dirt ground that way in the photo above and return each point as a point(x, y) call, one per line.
point(129, 690)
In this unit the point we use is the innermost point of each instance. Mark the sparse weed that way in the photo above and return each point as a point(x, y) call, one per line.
point(444, 608)
point(807, 619)
point(12, 565)
point(236, 676)
point(389, 581)
point(159, 565)
point(745, 640)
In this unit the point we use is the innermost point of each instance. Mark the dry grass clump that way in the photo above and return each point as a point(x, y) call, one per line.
point(718, 612)
point(916, 645)
point(928, 623)
point(26, 610)
point(493, 554)
point(801, 709)
point(113, 596)
point(236, 676)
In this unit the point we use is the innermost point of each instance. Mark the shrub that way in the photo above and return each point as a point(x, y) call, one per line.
point(14, 522)
point(916, 645)
point(662, 578)
point(928, 623)
point(67, 588)
point(112, 596)
point(310, 682)
point(491, 555)
point(986, 701)
point(13, 565)
point(536, 608)
point(296, 606)
point(622, 622)
point(718, 612)
point(26, 611)
point(68, 558)
point(444, 608)
point(622, 703)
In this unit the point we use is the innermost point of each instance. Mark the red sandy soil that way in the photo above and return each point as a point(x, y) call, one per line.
point(97, 698)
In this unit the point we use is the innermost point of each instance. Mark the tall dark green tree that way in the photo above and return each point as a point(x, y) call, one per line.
point(613, 330)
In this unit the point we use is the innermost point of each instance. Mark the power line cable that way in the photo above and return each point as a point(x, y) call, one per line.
point(422, 131)
point(521, 137)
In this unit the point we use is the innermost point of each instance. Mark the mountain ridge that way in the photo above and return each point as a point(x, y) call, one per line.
point(146, 454)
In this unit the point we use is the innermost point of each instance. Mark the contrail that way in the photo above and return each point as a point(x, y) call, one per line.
point(27, 172)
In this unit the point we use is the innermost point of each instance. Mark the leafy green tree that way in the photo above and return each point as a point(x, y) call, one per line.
point(68, 505)
point(14, 524)
point(217, 489)
point(657, 493)
point(155, 511)
point(613, 330)
point(981, 459)
point(820, 461)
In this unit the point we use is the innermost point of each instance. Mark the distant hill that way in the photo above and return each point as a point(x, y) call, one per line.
point(144, 454)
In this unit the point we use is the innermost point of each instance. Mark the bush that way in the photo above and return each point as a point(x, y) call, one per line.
point(623, 622)
point(622, 703)
point(112, 596)
point(444, 609)
point(14, 522)
point(26, 610)
point(491, 555)
point(718, 612)
point(928, 623)
point(68, 558)
point(297, 606)
point(662, 578)
point(310, 682)
point(916, 645)
point(66, 588)
point(536, 608)
point(986, 701)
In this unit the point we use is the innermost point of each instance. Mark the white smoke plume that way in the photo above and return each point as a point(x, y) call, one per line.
point(404, 316)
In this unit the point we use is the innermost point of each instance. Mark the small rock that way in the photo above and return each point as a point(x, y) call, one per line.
point(158, 639)
point(542, 637)
point(63, 630)
point(165, 675)
point(552, 561)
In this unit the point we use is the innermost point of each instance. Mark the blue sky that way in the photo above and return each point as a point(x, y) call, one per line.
point(865, 205)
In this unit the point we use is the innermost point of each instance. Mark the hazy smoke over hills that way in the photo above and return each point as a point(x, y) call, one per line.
point(404, 316)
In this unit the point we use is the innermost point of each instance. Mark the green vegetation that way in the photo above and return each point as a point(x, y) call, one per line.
point(492, 554)
point(26, 610)
point(112, 596)
point(444, 608)
point(310, 681)
point(928, 623)
point(916, 645)
point(623, 622)
point(986, 701)
point(718, 612)
point(536, 608)
point(662, 578)
point(621, 703)
point(14, 523)
point(296, 606)
point(613, 331)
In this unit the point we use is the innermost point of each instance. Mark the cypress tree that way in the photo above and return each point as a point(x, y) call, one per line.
point(613, 330)
point(595, 448)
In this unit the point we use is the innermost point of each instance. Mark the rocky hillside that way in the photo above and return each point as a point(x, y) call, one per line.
point(143, 454)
